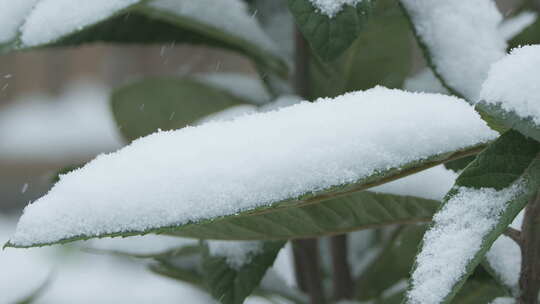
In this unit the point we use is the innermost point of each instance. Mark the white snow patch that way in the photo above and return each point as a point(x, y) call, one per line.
point(230, 16)
point(243, 86)
point(50, 20)
point(463, 39)
point(331, 8)
point(140, 245)
point(504, 257)
point(12, 16)
point(514, 83)
point(432, 184)
point(236, 253)
point(222, 168)
point(457, 234)
point(503, 301)
point(71, 128)
point(513, 26)
point(23, 271)
point(424, 81)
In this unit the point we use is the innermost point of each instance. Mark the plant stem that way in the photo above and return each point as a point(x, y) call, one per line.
point(342, 279)
point(306, 253)
point(529, 281)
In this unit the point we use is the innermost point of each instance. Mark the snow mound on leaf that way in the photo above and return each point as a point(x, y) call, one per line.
point(514, 83)
point(236, 253)
point(463, 39)
point(331, 8)
point(217, 169)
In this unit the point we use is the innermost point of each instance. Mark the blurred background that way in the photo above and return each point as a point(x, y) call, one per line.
point(54, 113)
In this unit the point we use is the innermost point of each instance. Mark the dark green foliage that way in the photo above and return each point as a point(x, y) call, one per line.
point(232, 286)
point(330, 37)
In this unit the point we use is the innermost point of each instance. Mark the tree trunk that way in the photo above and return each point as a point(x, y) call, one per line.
point(529, 281)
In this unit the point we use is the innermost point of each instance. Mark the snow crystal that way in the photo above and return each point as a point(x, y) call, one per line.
point(12, 16)
point(243, 86)
point(514, 84)
point(231, 16)
point(463, 38)
point(331, 8)
point(511, 27)
point(457, 234)
point(71, 128)
point(236, 253)
point(424, 81)
point(504, 257)
point(432, 184)
point(50, 20)
point(222, 168)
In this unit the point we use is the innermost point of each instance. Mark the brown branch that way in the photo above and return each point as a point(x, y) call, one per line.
point(306, 253)
point(529, 281)
point(514, 234)
point(342, 279)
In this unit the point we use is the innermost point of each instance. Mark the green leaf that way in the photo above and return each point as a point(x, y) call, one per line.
point(475, 291)
point(393, 263)
point(380, 55)
point(163, 21)
point(184, 265)
point(459, 164)
point(166, 103)
point(232, 284)
point(330, 37)
point(512, 161)
point(362, 210)
point(500, 119)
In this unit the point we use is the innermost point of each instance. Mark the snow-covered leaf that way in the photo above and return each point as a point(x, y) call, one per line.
point(234, 269)
point(486, 198)
point(143, 107)
point(220, 23)
point(460, 40)
point(511, 94)
point(172, 180)
point(380, 55)
point(514, 26)
point(330, 26)
point(393, 263)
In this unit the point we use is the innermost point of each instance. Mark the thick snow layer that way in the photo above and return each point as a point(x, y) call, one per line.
point(230, 16)
point(222, 168)
point(504, 257)
point(514, 84)
point(244, 86)
point(457, 234)
point(72, 128)
point(281, 102)
point(53, 19)
point(331, 8)
point(432, 184)
point(228, 114)
point(424, 81)
point(12, 16)
point(236, 253)
point(463, 39)
point(511, 27)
